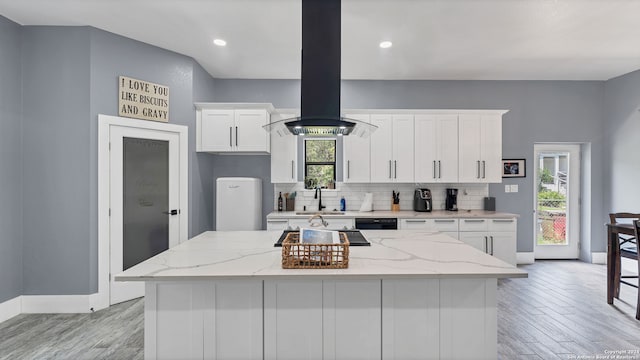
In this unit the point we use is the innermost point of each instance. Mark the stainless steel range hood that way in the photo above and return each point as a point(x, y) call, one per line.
point(320, 80)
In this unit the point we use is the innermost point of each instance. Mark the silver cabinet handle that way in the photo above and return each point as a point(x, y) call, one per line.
point(502, 220)
point(277, 221)
point(390, 169)
point(439, 170)
point(348, 169)
point(434, 169)
point(478, 168)
point(474, 220)
point(395, 169)
point(444, 220)
point(293, 166)
point(416, 220)
point(483, 169)
point(230, 136)
point(486, 245)
point(236, 136)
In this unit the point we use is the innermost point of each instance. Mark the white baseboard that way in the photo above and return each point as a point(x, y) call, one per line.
point(525, 258)
point(599, 258)
point(10, 308)
point(51, 304)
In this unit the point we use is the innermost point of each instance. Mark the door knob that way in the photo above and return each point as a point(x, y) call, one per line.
point(171, 212)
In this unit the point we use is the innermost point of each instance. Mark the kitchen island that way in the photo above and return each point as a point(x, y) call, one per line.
point(410, 295)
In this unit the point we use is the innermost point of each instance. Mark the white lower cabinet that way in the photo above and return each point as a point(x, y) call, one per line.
point(445, 226)
point(277, 224)
point(333, 224)
point(496, 237)
point(322, 319)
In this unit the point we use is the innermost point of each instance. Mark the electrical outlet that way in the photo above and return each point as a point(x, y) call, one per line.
point(514, 188)
point(507, 188)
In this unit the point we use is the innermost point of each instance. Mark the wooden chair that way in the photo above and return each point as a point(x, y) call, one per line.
point(628, 249)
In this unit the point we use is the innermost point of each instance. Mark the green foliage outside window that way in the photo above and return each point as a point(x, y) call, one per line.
point(320, 163)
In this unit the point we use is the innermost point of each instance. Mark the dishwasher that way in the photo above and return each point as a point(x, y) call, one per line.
point(376, 223)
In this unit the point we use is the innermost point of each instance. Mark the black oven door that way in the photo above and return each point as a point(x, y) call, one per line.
point(377, 223)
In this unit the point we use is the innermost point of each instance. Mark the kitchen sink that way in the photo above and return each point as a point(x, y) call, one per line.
point(320, 212)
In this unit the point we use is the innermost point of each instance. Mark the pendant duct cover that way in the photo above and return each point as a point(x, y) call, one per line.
point(320, 80)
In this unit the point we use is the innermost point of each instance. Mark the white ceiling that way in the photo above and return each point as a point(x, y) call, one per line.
point(432, 39)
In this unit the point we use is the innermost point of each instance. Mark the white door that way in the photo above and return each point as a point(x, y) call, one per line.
point(357, 166)
point(382, 149)
point(217, 130)
point(144, 198)
point(403, 148)
point(248, 132)
point(557, 194)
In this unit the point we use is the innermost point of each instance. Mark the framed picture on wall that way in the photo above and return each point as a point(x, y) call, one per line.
point(513, 168)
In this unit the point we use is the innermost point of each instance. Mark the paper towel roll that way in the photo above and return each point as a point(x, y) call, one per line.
point(367, 204)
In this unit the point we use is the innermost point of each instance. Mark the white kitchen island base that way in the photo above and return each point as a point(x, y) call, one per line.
point(321, 319)
point(410, 295)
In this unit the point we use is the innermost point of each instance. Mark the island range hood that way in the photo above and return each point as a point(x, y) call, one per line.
point(320, 78)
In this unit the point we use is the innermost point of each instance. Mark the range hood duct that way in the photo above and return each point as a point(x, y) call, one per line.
point(320, 78)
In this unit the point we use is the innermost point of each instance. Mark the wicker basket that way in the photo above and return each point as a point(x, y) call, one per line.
point(314, 256)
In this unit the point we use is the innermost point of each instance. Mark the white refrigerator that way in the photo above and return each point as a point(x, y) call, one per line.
point(238, 203)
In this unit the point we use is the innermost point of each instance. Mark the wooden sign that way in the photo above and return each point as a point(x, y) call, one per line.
point(140, 99)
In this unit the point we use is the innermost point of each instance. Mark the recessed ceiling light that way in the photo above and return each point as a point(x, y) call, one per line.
point(386, 44)
point(221, 42)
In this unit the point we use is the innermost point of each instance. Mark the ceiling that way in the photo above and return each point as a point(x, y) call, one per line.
point(432, 39)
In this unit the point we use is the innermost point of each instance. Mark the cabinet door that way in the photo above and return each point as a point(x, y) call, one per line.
point(382, 149)
point(284, 155)
point(403, 148)
point(491, 152)
point(426, 148)
point(469, 166)
point(249, 134)
point(447, 129)
point(356, 151)
point(503, 246)
point(478, 240)
point(216, 132)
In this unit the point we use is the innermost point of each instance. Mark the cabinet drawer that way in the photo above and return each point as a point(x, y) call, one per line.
point(334, 224)
point(277, 224)
point(502, 225)
point(416, 224)
point(449, 225)
point(474, 224)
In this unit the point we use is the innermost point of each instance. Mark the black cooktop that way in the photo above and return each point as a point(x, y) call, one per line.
point(355, 238)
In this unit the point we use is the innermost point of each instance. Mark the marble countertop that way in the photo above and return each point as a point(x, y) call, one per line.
point(251, 255)
point(404, 214)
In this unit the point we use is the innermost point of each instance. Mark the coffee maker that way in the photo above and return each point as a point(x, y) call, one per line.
point(451, 203)
point(422, 200)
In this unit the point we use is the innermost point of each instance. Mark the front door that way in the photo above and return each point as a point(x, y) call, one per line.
point(144, 201)
point(557, 194)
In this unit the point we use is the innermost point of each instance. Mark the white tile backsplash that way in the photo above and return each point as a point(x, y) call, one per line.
point(470, 196)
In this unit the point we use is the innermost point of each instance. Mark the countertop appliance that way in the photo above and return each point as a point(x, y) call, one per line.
point(377, 223)
point(238, 203)
point(422, 200)
point(355, 238)
point(451, 203)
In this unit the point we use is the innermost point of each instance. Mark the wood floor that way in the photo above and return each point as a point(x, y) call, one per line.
point(559, 312)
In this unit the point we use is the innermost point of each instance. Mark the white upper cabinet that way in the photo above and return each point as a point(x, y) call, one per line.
point(232, 128)
point(436, 148)
point(356, 150)
point(392, 148)
point(480, 148)
point(284, 154)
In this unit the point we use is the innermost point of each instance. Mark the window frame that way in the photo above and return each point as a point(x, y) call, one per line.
point(333, 163)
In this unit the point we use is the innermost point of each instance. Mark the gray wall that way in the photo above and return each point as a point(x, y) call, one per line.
point(539, 111)
point(56, 145)
point(622, 132)
point(10, 160)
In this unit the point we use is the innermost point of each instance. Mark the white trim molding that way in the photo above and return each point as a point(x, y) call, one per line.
point(10, 308)
point(55, 304)
point(525, 258)
point(599, 258)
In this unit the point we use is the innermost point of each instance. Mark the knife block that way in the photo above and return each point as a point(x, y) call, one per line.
point(395, 207)
point(290, 205)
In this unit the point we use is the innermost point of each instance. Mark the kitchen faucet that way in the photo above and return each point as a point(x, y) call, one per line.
point(319, 190)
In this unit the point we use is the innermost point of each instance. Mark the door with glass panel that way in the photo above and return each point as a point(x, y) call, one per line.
point(144, 201)
point(557, 195)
